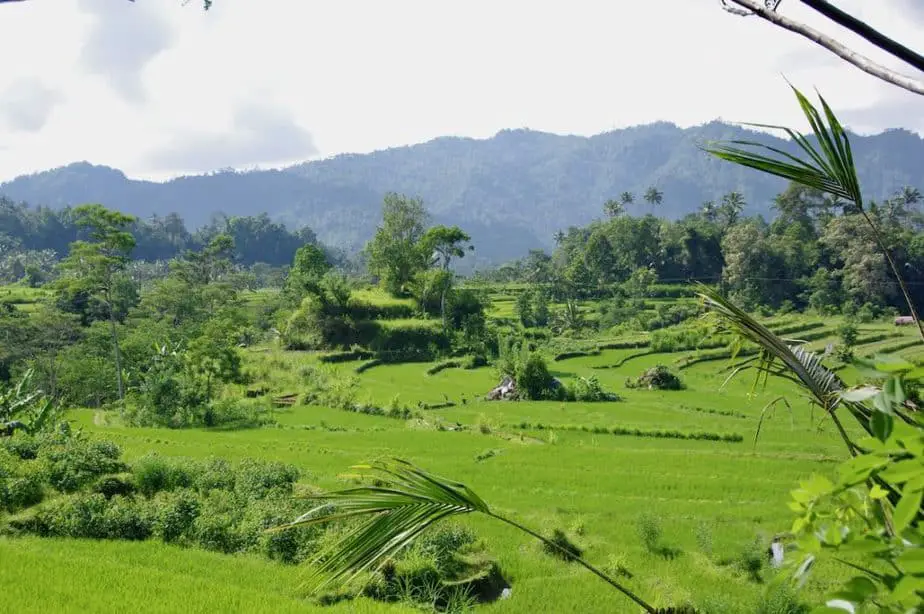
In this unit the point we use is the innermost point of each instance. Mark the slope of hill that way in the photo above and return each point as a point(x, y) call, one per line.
point(511, 192)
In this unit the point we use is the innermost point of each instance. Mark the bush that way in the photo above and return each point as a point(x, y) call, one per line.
point(442, 366)
point(533, 378)
point(74, 462)
point(474, 361)
point(588, 389)
point(656, 378)
point(175, 513)
point(154, 474)
point(409, 341)
point(115, 485)
point(687, 338)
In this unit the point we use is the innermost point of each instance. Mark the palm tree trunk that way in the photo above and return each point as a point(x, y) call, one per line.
point(115, 347)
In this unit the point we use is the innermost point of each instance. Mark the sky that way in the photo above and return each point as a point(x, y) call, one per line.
point(158, 89)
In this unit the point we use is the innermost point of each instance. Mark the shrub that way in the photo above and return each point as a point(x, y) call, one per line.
point(533, 378)
point(474, 361)
point(154, 474)
point(259, 479)
point(446, 364)
point(588, 389)
point(174, 514)
point(125, 519)
point(409, 341)
point(73, 462)
point(656, 378)
point(115, 485)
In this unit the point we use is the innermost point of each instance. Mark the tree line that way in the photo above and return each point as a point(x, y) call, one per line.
point(33, 239)
point(809, 256)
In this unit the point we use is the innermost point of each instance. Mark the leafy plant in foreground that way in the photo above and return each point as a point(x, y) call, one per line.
point(869, 519)
point(402, 502)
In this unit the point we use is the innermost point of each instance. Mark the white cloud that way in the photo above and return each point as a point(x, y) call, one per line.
point(359, 75)
point(257, 134)
point(27, 105)
point(122, 40)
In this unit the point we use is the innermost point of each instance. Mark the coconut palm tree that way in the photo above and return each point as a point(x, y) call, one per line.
point(710, 211)
point(653, 196)
point(731, 207)
point(613, 208)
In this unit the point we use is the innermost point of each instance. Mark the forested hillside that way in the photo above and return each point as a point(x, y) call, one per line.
point(512, 192)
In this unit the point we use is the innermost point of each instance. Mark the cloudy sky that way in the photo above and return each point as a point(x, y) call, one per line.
point(159, 89)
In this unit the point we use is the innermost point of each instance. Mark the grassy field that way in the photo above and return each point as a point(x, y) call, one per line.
point(550, 465)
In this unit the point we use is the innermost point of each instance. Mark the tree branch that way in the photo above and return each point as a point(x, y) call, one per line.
point(860, 61)
point(863, 29)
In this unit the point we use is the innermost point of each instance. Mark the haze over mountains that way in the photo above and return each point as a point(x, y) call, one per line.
point(511, 192)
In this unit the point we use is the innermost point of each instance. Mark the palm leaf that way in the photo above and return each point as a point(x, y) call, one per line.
point(406, 503)
point(829, 167)
point(780, 358)
point(402, 502)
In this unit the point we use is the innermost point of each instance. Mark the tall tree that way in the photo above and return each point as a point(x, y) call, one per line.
point(730, 210)
point(440, 244)
point(95, 265)
point(394, 252)
point(613, 208)
point(654, 197)
point(308, 269)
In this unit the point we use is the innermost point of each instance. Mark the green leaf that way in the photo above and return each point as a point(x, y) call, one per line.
point(903, 470)
point(860, 394)
point(907, 587)
point(860, 467)
point(907, 509)
point(877, 492)
point(881, 425)
point(912, 561)
point(858, 589)
point(865, 545)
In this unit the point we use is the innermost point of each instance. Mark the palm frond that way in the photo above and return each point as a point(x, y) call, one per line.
point(780, 358)
point(829, 166)
point(403, 502)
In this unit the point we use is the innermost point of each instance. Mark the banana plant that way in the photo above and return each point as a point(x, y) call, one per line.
point(22, 407)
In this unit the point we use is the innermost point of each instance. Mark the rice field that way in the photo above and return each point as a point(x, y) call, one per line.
point(594, 470)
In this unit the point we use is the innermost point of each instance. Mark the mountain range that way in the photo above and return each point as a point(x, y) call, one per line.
point(511, 192)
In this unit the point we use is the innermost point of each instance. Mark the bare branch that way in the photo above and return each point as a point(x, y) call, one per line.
point(862, 62)
point(866, 31)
